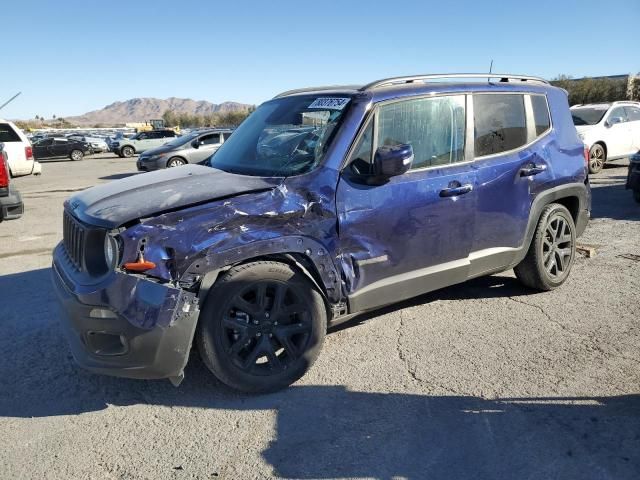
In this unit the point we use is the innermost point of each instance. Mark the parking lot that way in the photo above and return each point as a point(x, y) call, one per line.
point(481, 380)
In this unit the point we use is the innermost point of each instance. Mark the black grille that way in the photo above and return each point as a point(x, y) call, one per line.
point(74, 240)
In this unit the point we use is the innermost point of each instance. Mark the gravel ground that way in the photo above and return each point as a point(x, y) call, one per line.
point(481, 380)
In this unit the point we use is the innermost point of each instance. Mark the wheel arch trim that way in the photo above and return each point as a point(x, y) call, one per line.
point(553, 195)
point(303, 253)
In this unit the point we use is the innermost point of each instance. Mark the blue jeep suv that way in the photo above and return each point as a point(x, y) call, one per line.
point(326, 202)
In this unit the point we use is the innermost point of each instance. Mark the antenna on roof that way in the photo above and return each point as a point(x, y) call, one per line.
point(10, 100)
point(490, 70)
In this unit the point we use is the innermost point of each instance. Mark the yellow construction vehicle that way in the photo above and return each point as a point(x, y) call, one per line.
point(155, 124)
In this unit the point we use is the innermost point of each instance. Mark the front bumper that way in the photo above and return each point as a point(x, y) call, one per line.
point(11, 206)
point(126, 325)
point(147, 165)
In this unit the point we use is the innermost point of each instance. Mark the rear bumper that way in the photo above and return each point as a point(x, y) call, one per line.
point(11, 206)
point(126, 326)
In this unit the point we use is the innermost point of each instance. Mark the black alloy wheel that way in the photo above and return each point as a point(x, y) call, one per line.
point(552, 250)
point(262, 326)
point(266, 327)
point(557, 246)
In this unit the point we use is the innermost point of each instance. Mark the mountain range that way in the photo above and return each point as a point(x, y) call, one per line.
point(141, 109)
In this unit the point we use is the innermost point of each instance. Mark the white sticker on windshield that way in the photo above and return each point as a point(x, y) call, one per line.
point(329, 103)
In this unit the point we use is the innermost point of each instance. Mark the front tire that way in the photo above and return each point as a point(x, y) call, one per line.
point(597, 158)
point(76, 155)
point(175, 162)
point(262, 327)
point(552, 250)
point(128, 152)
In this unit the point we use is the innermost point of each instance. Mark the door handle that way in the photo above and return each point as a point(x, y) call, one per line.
point(532, 169)
point(456, 188)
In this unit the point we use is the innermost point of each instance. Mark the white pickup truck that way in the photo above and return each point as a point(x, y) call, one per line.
point(19, 151)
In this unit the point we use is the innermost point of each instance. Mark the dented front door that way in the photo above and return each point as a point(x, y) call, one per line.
point(414, 233)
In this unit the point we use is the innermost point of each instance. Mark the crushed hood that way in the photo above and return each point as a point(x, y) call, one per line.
point(143, 195)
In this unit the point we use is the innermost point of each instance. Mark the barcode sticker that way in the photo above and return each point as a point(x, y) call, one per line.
point(329, 103)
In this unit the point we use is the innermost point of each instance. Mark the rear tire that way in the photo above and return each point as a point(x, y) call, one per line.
point(76, 155)
point(262, 327)
point(597, 158)
point(552, 250)
point(128, 152)
point(175, 162)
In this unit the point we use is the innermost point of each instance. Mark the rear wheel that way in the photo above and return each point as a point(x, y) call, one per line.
point(175, 162)
point(552, 250)
point(262, 327)
point(76, 155)
point(128, 152)
point(597, 157)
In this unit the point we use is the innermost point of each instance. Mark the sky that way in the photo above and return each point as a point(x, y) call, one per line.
point(71, 57)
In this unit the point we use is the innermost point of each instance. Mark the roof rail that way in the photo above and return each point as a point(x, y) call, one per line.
point(417, 78)
point(314, 89)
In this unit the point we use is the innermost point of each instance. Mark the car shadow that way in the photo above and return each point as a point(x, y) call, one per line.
point(612, 200)
point(118, 176)
point(39, 377)
point(330, 431)
point(492, 286)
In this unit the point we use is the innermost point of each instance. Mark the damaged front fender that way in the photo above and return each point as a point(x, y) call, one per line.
point(290, 219)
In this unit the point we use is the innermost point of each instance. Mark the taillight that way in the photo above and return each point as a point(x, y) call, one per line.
point(28, 152)
point(586, 155)
point(4, 172)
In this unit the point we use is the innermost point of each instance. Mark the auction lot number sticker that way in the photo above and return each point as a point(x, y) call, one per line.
point(330, 103)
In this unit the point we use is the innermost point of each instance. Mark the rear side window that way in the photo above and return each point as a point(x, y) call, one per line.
point(434, 127)
point(226, 135)
point(540, 114)
point(500, 123)
point(8, 134)
point(168, 133)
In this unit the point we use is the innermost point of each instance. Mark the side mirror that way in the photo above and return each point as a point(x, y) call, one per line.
point(392, 160)
point(195, 143)
point(613, 121)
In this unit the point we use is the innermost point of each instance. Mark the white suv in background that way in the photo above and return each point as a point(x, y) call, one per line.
point(18, 148)
point(610, 130)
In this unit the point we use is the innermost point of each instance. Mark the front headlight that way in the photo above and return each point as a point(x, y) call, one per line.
point(111, 251)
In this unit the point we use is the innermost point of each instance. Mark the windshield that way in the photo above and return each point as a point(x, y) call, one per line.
point(176, 142)
point(283, 137)
point(588, 115)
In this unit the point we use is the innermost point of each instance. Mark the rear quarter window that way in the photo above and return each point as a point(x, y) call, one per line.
point(540, 114)
point(500, 123)
point(8, 134)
